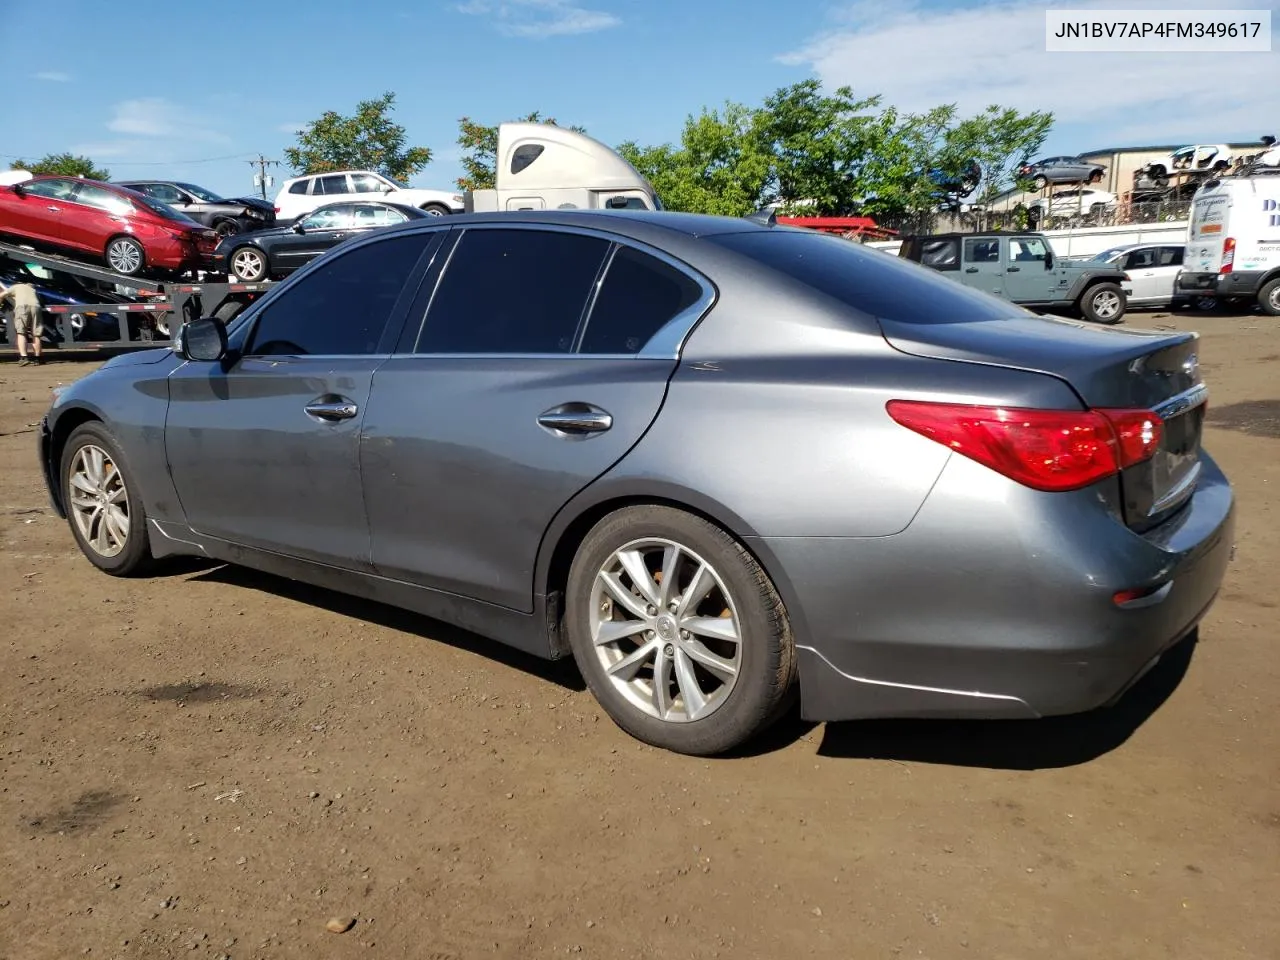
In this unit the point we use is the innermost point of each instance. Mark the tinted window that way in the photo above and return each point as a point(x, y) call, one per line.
point(869, 280)
point(982, 250)
point(525, 155)
point(330, 218)
point(162, 192)
point(376, 215)
point(512, 291)
point(640, 294)
point(336, 184)
point(342, 308)
point(1171, 256)
point(53, 189)
point(299, 186)
point(367, 183)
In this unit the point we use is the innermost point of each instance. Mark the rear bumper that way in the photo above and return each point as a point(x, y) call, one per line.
point(967, 615)
point(1242, 283)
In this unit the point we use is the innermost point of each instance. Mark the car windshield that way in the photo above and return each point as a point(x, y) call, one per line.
point(208, 196)
point(163, 209)
point(1106, 255)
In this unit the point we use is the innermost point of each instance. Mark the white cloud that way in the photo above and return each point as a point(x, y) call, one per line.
point(53, 76)
point(994, 53)
point(159, 118)
point(539, 19)
point(105, 149)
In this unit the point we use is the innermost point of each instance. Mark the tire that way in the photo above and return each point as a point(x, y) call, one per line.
point(1040, 181)
point(1269, 298)
point(226, 228)
point(249, 263)
point(1095, 176)
point(437, 210)
point(88, 522)
point(125, 255)
point(736, 708)
point(1095, 303)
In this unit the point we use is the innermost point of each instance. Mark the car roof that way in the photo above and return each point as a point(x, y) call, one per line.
point(636, 224)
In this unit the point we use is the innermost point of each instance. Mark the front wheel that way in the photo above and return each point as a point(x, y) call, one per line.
point(103, 507)
point(437, 210)
point(678, 632)
point(1040, 181)
point(1103, 303)
point(1269, 298)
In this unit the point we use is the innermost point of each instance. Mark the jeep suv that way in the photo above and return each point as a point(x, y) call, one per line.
point(1022, 267)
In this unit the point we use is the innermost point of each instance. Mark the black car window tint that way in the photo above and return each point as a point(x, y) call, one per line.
point(512, 291)
point(336, 184)
point(639, 296)
point(342, 309)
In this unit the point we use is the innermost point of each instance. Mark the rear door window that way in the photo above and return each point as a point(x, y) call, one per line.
point(639, 296)
point(508, 291)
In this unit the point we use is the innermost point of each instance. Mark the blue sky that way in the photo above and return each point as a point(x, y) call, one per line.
point(205, 92)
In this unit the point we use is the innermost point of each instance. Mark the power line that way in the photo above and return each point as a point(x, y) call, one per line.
point(262, 163)
point(133, 163)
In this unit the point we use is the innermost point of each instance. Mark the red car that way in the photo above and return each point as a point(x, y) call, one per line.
point(134, 234)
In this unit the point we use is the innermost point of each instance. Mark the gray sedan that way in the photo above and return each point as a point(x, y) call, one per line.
point(719, 463)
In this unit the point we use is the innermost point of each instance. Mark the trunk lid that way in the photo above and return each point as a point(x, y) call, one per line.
point(1107, 367)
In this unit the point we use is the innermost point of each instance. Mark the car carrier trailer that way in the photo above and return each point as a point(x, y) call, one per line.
point(156, 304)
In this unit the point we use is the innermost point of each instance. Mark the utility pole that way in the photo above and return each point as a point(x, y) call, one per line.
point(260, 178)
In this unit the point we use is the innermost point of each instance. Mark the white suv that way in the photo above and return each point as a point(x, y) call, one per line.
point(301, 195)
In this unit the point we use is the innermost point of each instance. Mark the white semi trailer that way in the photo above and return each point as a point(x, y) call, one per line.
point(544, 167)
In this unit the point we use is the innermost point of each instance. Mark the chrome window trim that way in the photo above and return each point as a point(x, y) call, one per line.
point(666, 342)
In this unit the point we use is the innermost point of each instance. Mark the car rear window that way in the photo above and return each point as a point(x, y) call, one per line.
point(869, 280)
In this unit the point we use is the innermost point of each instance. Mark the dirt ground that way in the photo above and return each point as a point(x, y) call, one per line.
point(214, 763)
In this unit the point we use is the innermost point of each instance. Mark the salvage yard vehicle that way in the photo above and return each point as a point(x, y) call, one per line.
point(298, 196)
point(1021, 266)
point(1233, 241)
point(547, 427)
point(1151, 270)
point(264, 254)
point(133, 234)
point(204, 206)
point(1061, 170)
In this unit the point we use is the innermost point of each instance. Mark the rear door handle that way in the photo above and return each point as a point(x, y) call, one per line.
point(332, 410)
point(971, 270)
point(576, 419)
point(1014, 270)
point(53, 208)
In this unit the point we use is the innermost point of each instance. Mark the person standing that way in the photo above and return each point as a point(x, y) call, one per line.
point(27, 323)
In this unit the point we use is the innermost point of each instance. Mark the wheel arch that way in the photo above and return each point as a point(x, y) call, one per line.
point(569, 528)
point(59, 433)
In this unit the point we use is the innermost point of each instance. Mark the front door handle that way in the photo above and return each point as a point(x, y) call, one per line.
point(971, 270)
point(331, 410)
point(576, 419)
point(1014, 270)
point(54, 209)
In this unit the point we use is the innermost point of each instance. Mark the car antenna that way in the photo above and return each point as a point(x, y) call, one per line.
point(765, 217)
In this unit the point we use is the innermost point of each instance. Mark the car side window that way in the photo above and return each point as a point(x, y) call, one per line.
point(1171, 256)
point(1141, 259)
point(103, 200)
point(512, 291)
point(639, 296)
point(1026, 248)
point(331, 218)
point(333, 184)
point(375, 215)
point(981, 250)
point(299, 186)
point(343, 309)
point(164, 193)
point(53, 189)
point(366, 183)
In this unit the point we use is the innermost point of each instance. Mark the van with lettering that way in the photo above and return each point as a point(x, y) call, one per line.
point(539, 166)
point(1233, 241)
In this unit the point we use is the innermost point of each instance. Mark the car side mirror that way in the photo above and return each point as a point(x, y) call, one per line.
point(203, 340)
point(299, 228)
point(18, 189)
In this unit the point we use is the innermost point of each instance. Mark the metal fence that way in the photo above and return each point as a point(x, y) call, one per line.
point(1063, 215)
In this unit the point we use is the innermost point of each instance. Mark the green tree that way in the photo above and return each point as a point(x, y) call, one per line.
point(366, 140)
point(65, 165)
point(1000, 139)
point(480, 150)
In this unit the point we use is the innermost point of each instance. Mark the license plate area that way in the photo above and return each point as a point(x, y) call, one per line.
point(1157, 487)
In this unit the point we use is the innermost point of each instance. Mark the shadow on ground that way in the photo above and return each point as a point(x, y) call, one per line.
point(561, 672)
point(1014, 744)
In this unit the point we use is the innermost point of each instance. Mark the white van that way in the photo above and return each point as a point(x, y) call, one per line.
point(544, 167)
point(1233, 241)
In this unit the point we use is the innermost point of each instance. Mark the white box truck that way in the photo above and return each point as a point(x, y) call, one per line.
point(544, 167)
point(1233, 241)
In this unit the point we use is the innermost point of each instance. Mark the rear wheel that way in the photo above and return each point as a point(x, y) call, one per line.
point(1269, 298)
point(103, 508)
point(677, 630)
point(125, 255)
point(1095, 177)
point(1103, 303)
point(437, 210)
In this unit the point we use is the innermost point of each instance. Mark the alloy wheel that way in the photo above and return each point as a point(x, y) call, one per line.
point(665, 630)
point(99, 501)
point(1106, 304)
point(124, 256)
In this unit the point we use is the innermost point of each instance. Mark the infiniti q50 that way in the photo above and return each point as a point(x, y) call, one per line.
point(719, 463)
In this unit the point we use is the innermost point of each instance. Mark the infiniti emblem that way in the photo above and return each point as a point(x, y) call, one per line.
point(1191, 365)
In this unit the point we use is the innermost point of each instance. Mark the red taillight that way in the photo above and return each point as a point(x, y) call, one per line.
point(1228, 254)
point(277, 209)
point(1044, 449)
